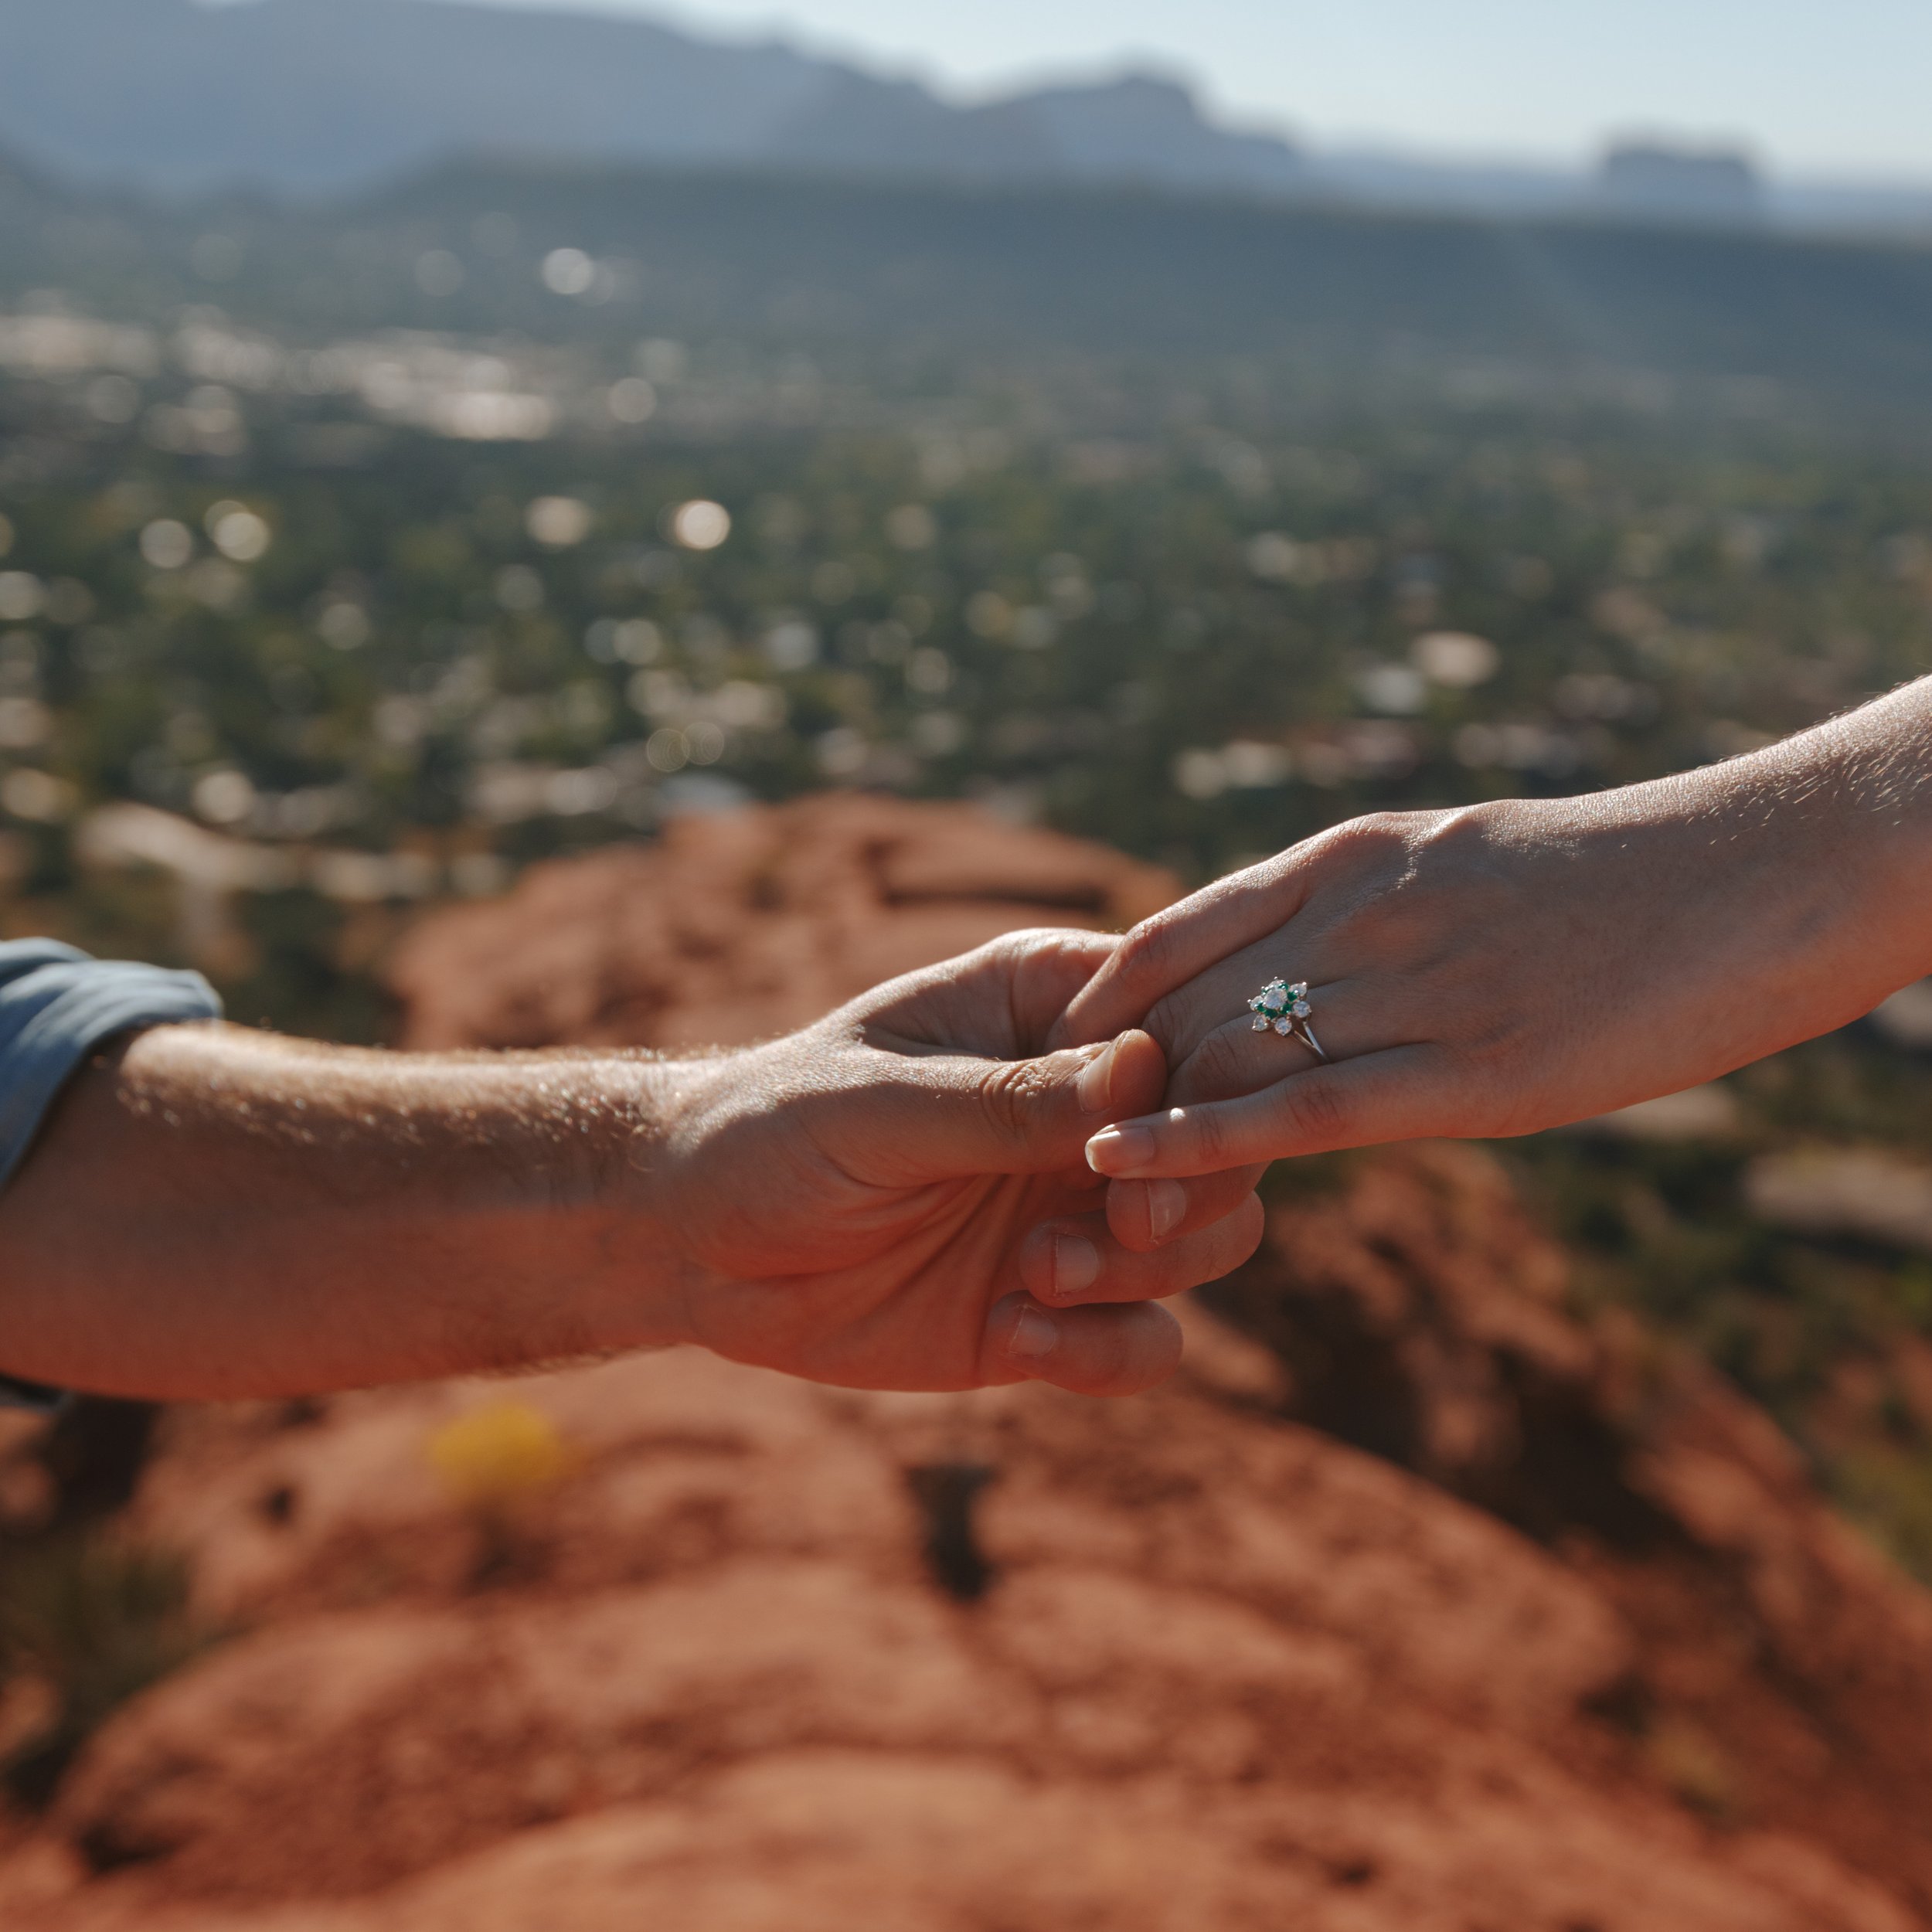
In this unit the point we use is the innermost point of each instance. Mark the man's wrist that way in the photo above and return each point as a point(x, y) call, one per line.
point(622, 1267)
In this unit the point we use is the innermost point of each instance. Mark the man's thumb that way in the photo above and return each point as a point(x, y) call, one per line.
point(1034, 1116)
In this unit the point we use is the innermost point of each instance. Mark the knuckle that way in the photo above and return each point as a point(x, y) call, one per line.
point(1376, 835)
point(1210, 1138)
point(1208, 1071)
point(1380, 855)
point(1020, 946)
point(1149, 952)
point(1215, 1069)
point(1005, 953)
point(993, 952)
point(1166, 1019)
point(1318, 1110)
point(1010, 1092)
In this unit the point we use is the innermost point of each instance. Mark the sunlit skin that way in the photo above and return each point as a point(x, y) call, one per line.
point(894, 1198)
point(878, 1243)
point(1513, 966)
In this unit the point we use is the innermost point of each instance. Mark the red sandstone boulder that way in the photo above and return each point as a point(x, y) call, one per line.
point(747, 924)
point(1227, 1670)
point(1783, 1669)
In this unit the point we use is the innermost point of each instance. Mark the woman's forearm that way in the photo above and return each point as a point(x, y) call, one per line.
point(213, 1212)
point(1514, 965)
point(1864, 783)
point(1760, 901)
point(1831, 830)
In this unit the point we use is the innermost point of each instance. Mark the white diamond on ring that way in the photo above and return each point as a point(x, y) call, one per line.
point(1283, 1007)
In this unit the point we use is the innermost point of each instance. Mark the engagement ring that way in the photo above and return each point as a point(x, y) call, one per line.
point(1284, 1009)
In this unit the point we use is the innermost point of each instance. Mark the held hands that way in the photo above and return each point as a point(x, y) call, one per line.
point(962, 1177)
point(987, 1171)
point(897, 1197)
point(901, 1197)
point(1492, 971)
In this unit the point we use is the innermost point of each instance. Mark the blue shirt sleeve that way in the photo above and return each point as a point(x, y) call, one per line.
point(56, 1006)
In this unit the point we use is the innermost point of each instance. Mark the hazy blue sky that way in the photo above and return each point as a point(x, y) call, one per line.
point(1841, 86)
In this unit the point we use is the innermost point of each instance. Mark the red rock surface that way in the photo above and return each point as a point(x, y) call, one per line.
point(737, 926)
point(1412, 1605)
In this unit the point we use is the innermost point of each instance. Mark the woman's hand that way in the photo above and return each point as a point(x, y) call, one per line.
point(897, 1198)
point(1513, 966)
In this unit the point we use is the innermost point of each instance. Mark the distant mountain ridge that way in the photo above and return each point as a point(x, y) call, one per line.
point(331, 95)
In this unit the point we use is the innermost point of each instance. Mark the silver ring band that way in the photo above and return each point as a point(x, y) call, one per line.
point(1305, 1034)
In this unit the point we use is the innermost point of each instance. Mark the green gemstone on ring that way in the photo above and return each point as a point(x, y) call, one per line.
point(1279, 1005)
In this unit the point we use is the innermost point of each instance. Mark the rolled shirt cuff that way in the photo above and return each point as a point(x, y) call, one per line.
point(56, 1006)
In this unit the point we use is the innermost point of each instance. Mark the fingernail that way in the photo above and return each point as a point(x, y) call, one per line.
point(1035, 1335)
point(1166, 1203)
point(1095, 1086)
point(1120, 1150)
point(1076, 1265)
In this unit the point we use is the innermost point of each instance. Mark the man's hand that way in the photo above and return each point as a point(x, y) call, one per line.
point(897, 1197)
point(1516, 965)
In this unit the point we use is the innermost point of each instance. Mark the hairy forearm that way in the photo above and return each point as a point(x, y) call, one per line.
point(212, 1211)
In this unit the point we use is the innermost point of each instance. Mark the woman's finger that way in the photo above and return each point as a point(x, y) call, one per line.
point(1232, 1057)
point(1388, 1095)
point(1166, 951)
point(1092, 1351)
point(1077, 1260)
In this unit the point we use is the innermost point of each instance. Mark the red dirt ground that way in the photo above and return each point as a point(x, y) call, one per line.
point(1412, 1605)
